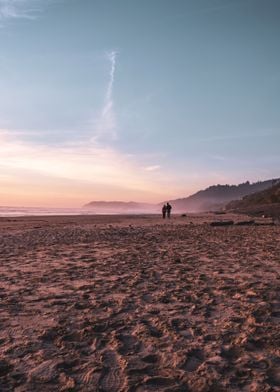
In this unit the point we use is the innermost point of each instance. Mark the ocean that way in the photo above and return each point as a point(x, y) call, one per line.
point(33, 211)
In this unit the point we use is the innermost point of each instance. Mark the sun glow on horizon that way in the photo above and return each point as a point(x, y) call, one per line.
point(68, 175)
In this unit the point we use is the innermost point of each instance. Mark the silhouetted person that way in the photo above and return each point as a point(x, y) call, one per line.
point(168, 210)
point(164, 209)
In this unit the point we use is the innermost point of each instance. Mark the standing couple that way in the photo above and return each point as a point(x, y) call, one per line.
point(166, 209)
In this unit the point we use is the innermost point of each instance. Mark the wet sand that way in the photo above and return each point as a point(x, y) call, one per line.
point(115, 303)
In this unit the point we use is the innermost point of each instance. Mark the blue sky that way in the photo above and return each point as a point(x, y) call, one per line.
point(130, 99)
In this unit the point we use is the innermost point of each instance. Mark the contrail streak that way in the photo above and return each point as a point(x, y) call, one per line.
point(106, 124)
point(112, 57)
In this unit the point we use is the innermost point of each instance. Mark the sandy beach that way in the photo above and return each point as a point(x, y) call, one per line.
point(100, 303)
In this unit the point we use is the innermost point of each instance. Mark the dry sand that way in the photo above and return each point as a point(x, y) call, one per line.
point(138, 304)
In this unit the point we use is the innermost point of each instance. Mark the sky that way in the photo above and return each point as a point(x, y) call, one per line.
point(143, 100)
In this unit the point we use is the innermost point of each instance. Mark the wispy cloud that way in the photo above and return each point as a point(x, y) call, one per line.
point(152, 168)
point(105, 126)
point(19, 9)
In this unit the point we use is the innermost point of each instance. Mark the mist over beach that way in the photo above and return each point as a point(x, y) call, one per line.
point(139, 196)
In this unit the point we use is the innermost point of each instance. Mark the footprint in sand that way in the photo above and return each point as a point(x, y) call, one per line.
point(152, 329)
point(157, 383)
point(100, 326)
point(275, 315)
point(49, 335)
point(194, 360)
point(112, 379)
point(129, 344)
point(150, 358)
point(5, 367)
point(261, 364)
point(91, 377)
point(274, 377)
point(44, 373)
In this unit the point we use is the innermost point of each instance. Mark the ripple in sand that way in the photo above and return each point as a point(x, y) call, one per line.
point(45, 372)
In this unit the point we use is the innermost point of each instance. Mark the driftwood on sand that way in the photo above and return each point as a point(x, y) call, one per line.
point(245, 222)
point(222, 223)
